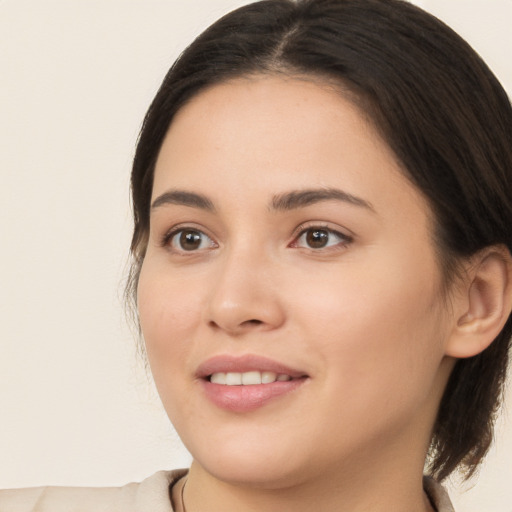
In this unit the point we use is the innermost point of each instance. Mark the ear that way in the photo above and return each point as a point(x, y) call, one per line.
point(485, 304)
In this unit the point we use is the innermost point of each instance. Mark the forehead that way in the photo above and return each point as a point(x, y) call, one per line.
point(264, 120)
point(273, 133)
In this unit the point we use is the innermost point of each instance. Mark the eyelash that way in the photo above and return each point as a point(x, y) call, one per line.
point(303, 230)
point(343, 239)
point(172, 235)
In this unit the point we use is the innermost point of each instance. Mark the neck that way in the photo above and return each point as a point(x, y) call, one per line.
point(375, 491)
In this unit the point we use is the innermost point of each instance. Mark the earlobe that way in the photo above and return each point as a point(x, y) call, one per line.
point(486, 305)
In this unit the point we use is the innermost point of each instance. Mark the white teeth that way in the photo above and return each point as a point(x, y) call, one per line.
point(233, 379)
point(247, 378)
point(268, 377)
point(218, 378)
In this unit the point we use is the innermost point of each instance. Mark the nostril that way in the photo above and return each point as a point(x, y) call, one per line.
point(247, 323)
point(252, 322)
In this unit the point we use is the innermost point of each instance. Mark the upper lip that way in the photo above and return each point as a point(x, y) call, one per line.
point(245, 363)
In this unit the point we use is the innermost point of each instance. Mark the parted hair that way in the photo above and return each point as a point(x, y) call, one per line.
point(436, 104)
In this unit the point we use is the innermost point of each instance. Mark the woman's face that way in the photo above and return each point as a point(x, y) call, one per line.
point(286, 244)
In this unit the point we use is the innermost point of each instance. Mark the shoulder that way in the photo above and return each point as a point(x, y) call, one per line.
point(438, 495)
point(150, 495)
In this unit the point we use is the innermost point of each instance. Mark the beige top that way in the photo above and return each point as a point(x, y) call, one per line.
point(150, 495)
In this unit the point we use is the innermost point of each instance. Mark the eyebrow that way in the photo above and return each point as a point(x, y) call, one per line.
point(302, 198)
point(282, 202)
point(184, 198)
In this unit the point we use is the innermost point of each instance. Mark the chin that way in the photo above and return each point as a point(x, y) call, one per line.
point(259, 475)
point(253, 463)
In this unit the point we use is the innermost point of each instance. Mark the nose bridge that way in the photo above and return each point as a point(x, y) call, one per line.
point(244, 294)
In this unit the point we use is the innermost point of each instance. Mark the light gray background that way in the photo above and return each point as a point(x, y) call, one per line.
point(76, 407)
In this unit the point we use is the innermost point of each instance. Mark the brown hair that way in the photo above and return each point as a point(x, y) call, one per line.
point(439, 108)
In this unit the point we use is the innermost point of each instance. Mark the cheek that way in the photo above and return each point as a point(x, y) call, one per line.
point(379, 326)
point(169, 312)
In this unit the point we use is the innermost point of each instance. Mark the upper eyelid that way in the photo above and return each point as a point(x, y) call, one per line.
point(345, 236)
point(340, 236)
point(296, 233)
point(170, 233)
point(305, 226)
point(181, 226)
point(167, 242)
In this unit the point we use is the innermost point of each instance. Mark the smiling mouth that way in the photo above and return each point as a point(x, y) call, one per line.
point(245, 383)
point(252, 378)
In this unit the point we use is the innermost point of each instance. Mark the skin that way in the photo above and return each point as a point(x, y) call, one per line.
point(365, 316)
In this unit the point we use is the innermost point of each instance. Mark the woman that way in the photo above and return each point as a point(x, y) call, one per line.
point(322, 263)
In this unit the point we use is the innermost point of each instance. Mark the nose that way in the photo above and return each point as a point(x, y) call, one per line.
point(245, 295)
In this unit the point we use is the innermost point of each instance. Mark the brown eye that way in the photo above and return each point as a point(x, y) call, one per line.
point(317, 238)
point(321, 238)
point(190, 240)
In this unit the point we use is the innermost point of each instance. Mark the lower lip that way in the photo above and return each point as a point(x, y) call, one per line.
point(248, 398)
